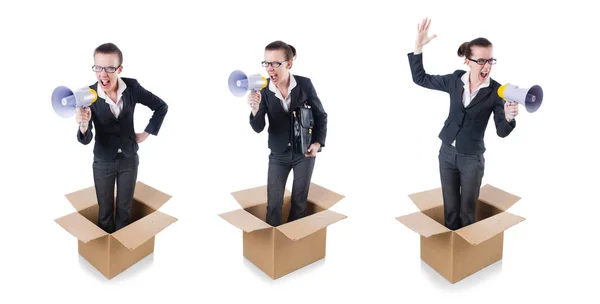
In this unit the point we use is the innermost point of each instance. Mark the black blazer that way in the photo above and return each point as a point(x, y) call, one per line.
point(280, 121)
point(465, 125)
point(113, 133)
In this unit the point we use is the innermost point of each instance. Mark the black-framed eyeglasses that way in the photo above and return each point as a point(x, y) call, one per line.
point(108, 69)
point(482, 61)
point(274, 64)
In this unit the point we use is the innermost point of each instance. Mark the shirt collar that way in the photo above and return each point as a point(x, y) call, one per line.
point(121, 86)
point(466, 79)
point(273, 87)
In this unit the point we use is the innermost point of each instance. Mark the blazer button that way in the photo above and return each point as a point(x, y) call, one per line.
point(460, 125)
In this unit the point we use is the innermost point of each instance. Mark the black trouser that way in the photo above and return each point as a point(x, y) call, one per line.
point(461, 176)
point(280, 165)
point(106, 172)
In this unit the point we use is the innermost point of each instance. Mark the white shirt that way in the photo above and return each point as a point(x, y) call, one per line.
point(285, 102)
point(468, 96)
point(115, 108)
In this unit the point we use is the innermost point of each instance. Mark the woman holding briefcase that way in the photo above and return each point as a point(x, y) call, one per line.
point(297, 130)
point(473, 98)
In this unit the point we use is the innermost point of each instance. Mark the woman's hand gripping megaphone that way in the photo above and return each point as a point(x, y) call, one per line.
point(254, 101)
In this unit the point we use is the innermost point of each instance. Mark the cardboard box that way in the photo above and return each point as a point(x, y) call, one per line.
point(113, 253)
point(458, 254)
point(280, 250)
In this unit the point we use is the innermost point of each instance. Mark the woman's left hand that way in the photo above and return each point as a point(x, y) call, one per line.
point(511, 110)
point(313, 149)
point(140, 137)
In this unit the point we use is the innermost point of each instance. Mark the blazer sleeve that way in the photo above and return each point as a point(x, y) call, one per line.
point(319, 115)
point(257, 122)
point(157, 105)
point(503, 127)
point(86, 138)
point(421, 78)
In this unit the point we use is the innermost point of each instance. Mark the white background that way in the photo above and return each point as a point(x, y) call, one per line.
point(381, 146)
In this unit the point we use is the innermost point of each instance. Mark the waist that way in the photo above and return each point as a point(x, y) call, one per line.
point(452, 149)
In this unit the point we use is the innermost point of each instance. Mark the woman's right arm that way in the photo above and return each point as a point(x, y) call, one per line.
point(257, 117)
point(415, 59)
point(421, 78)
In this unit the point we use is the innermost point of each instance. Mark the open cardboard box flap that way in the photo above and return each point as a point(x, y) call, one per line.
point(137, 233)
point(306, 226)
point(80, 227)
point(422, 224)
point(244, 220)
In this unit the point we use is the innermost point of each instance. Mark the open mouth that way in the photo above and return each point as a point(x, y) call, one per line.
point(274, 77)
point(484, 75)
point(104, 82)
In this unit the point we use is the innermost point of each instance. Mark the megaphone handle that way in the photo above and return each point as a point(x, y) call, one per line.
point(82, 124)
point(511, 102)
point(253, 105)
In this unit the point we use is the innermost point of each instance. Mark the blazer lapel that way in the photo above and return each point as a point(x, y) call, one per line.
point(482, 94)
point(296, 98)
point(102, 106)
point(126, 102)
point(274, 102)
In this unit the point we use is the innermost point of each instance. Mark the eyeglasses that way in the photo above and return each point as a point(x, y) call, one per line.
point(482, 61)
point(274, 64)
point(108, 69)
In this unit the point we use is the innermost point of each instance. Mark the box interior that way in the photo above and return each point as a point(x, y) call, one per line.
point(482, 211)
point(260, 211)
point(138, 211)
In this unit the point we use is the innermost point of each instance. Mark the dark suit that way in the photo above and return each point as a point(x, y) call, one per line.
point(285, 155)
point(112, 134)
point(462, 165)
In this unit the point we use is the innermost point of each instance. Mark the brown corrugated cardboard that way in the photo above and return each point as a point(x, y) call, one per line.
point(280, 250)
point(458, 254)
point(113, 253)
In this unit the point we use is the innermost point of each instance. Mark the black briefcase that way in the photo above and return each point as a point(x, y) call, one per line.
point(303, 127)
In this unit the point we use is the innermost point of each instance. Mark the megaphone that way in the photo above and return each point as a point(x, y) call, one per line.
point(531, 98)
point(239, 83)
point(65, 101)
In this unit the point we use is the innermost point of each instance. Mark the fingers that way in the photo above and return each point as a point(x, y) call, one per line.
point(309, 151)
point(312, 151)
point(82, 115)
point(511, 108)
point(254, 98)
point(424, 25)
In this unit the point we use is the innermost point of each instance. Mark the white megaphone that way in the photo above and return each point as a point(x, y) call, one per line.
point(65, 101)
point(239, 83)
point(531, 98)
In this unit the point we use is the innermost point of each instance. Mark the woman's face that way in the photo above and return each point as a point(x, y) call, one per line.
point(281, 73)
point(480, 53)
point(108, 81)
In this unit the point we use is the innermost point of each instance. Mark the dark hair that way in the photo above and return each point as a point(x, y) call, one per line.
point(288, 50)
point(464, 50)
point(109, 48)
